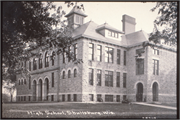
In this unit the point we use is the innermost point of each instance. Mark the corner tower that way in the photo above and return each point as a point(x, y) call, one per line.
point(75, 17)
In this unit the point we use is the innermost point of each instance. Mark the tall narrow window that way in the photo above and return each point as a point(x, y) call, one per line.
point(63, 97)
point(63, 75)
point(75, 73)
point(124, 80)
point(52, 79)
point(25, 64)
point(124, 57)
point(155, 67)
point(24, 81)
point(91, 51)
point(53, 58)
point(118, 56)
point(155, 51)
point(98, 77)
point(19, 82)
point(46, 60)
point(109, 55)
point(40, 61)
point(34, 64)
point(109, 78)
point(64, 54)
point(118, 79)
point(91, 76)
point(139, 66)
point(29, 65)
point(91, 97)
point(99, 53)
point(117, 98)
point(69, 97)
point(75, 51)
point(69, 74)
point(29, 82)
point(69, 49)
point(75, 97)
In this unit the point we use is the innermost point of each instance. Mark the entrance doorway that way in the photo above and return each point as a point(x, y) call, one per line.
point(155, 91)
point(139, 94)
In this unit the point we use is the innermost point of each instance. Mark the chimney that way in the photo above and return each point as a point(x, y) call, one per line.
point(128, 24)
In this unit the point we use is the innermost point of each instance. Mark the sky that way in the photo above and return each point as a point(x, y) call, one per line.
point(112, 12)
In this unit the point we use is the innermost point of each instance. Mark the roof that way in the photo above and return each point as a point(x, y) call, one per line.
point(77, 11)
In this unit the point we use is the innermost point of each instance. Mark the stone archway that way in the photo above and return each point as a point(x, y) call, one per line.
point(139, 93)
point(40, 90)
point(155, 91)
point(34, 90)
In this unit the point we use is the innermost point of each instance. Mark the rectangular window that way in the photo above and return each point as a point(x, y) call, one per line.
point(155, 67)
point(117, 98)
point(124, 57)
point(69, 49)
point(108, 98)
point(99, 99)
point(124, 80)
point(25, 64)
point(98, 77)
point(91, 51)
point(75, 97)
point(75, 51)
point(91, 76)
point(99, 53)
point(29, 98)
point(52, 97)
point(109, 54)
point(69, 97)
point(91, 97)
point(109, 78)
point(24, 98)
point(63, 97)
point(124, 97)
point(29, 82)
point(29, 65)
point(139, 66)
point(34, 64)
point(155, 51)
point(52, 79)
point(118, 79)
point(118, 56)
point(64, 54)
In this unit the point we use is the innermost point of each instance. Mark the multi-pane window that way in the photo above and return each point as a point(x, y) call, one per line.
point(113, 34)
point(29, 65)
point(52, 79)
point(63, 75)
point(69, 49)
point(75, 73)
point(118, 79)
point(40, 61)
point(108, 98)
point(69, 97)
point(91, 76)
point(91, 51)
point(75, 51)
point(34, 64)
point(124, 57)
point(63, 97)
point(75, 97)
point(53, 58)
point(117, 98)
point(91, 97)
point(109, 78)
point(99, 99)
point(124, 80)
point(99, 53)
point(98, 77)
point(139, 66)
point(156, 51)
point(155, 67)
point(69, 74)
point(109, 54)
point(46, 60)
point(118, 56)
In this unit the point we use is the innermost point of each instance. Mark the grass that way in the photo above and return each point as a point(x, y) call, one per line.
point(83, 110)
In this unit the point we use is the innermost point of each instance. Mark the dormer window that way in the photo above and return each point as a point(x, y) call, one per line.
point(113, 34)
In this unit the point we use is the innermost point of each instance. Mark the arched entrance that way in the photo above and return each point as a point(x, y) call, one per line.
point(34, 90)
point(155, 91)
point(139, 94)
point(40, 90)
point(46, 89)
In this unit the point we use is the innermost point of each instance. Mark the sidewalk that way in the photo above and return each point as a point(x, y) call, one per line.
point(153, 105)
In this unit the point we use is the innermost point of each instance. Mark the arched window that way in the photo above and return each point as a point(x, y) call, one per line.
point(40, 61)
point(22, 82)
point(69, 74)
point(19, 82)
point(63, 74)
point(75, 72)
point(46, 60)
point(53, 58)
point(34, 64)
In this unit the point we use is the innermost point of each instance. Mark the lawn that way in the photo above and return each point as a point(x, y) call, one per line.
point(84, 110)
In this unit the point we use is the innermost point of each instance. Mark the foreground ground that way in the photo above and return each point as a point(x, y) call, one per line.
point(84, 110)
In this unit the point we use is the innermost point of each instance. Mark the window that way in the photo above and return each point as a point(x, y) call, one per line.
point(34, 64)
point(91, 51)
point(69, 97)
point(124, 80)
point(29, 65)
point(52, 79)
point(75, 51)
point(108, 98)
point(69, 74)
point(109, 54)
point(124, 57)
point(155, 51)
point(63, 97)
point(91, 97)
point(91, 76)
point(19, 82)
point(24, 81)
point(75, 73)
point(75, 97)
point(124, 97)
point(29, 98)
point(63, 75)
point(117, 98)
point(69, 49)
point(64, 54)
point(98, 77)
point(29, 82)
point(118, 79)
point(113, 34)
point(139, 66)
point(155, 67)
point(109, 78)
point(99, 99)
point(40, 61)
point(118, 56)
point(53, 58)
point(52, 97)
point(25, 64)
point(99, 53)
point(24, 98)
point(46, 60)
